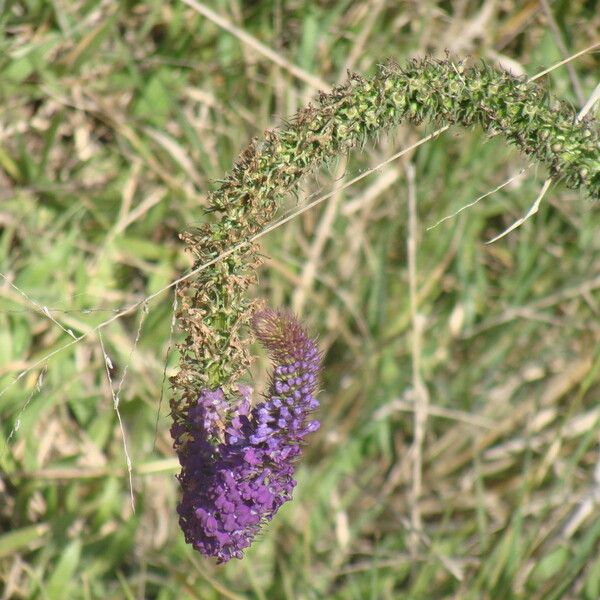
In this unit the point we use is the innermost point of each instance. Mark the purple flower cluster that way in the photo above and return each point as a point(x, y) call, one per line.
point(237, 461)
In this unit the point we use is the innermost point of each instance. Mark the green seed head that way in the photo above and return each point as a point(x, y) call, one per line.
point(214, 308)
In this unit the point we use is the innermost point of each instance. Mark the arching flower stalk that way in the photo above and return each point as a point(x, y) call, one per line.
point(222, 442)
point(237, 461)
point(214, 307)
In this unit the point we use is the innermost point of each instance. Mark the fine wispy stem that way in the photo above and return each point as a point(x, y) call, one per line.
point(563, 50)
point(421, 396)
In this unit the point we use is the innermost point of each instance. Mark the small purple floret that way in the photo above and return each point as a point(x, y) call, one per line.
point(237, 462)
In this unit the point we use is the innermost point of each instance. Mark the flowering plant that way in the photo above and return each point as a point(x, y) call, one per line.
point(237, 459)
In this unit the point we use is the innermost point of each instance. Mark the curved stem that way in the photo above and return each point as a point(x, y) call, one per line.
point(214, 307)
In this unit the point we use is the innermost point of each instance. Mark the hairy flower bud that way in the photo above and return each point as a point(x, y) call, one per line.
point(237, 462)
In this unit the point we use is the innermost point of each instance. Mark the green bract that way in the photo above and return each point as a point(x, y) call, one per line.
point(214, 307)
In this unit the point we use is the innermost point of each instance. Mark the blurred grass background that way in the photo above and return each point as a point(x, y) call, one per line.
point(458, 455)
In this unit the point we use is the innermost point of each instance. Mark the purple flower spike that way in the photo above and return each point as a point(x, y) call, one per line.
point(237, 462)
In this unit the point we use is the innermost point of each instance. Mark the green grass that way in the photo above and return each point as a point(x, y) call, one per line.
point(115, 121)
